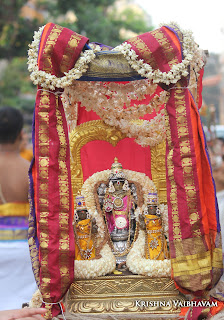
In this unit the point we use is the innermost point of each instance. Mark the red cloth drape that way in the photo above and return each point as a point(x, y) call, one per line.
point(58, 51)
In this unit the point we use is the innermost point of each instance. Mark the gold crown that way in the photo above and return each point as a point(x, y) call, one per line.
point(116, 166)
point(152, 198)
point(116, 170)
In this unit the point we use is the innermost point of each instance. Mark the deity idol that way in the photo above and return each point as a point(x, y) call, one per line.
point(155, 244)
point(85, 229)
point(118, 209)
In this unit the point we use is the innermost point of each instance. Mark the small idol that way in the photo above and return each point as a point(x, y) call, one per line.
point(85, 230)
point(150, 222)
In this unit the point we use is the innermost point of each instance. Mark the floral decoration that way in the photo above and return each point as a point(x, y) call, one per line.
point(191, 52)
point(87, 269)
point(119, 104)
point(192, 56)
point(135, 258)
point(108, 101)
point(49, 81)
point(138, 264)
point(36, 300)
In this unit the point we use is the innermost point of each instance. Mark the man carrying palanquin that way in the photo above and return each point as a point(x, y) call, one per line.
point(16, 276)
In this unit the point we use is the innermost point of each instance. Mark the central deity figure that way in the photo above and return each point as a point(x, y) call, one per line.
point(118, 209)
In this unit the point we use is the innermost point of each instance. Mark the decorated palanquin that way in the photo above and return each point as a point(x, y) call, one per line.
point(122, 198)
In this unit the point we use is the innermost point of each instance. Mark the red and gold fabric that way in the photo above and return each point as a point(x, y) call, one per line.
point(194, 229)
point(51, 236)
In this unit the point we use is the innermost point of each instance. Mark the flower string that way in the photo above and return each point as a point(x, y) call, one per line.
point(138, 264)
point(192, 56)
point(191, 52)
point(115, 103)
point(49, 81)
point(94, 96)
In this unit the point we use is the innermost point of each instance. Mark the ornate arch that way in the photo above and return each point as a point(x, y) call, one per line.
point(98, 130)
point(81, 135)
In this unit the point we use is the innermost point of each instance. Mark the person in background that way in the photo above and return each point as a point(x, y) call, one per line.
point(25, 148)
point(217, 162)
point(17, 282)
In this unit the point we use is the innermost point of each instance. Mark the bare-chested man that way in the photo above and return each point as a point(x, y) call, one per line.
point(16, 276)
point(13, 168)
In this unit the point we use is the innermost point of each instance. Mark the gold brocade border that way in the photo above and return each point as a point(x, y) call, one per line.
point(11, 209)
point(48, 49)
point(64, 203)
point(166, 47)
point(18, 234)
point(192, 264)
point(186, 161)
point(43, 169)
point(217, 258)
point(200, 266)
point(173, 186)
point(146, 53)
point(69, 52)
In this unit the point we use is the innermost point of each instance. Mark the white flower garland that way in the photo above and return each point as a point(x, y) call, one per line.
point(192, 56)
point(94, 96)
point(146, 133)
point(49, 81)
point(135, 258)
point(36, 300)
point(88, 192)
point(87, 269)
point(71, 111)
point(109, 98)
point(138, 264)
point(191, 52)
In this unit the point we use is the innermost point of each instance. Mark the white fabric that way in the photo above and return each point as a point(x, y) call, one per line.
point(17, 283)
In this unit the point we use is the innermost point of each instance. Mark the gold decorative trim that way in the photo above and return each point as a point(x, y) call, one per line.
point(82, 134)
point(42, 138)
point(63, 203)
point(158, 170)
point(128, 294)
